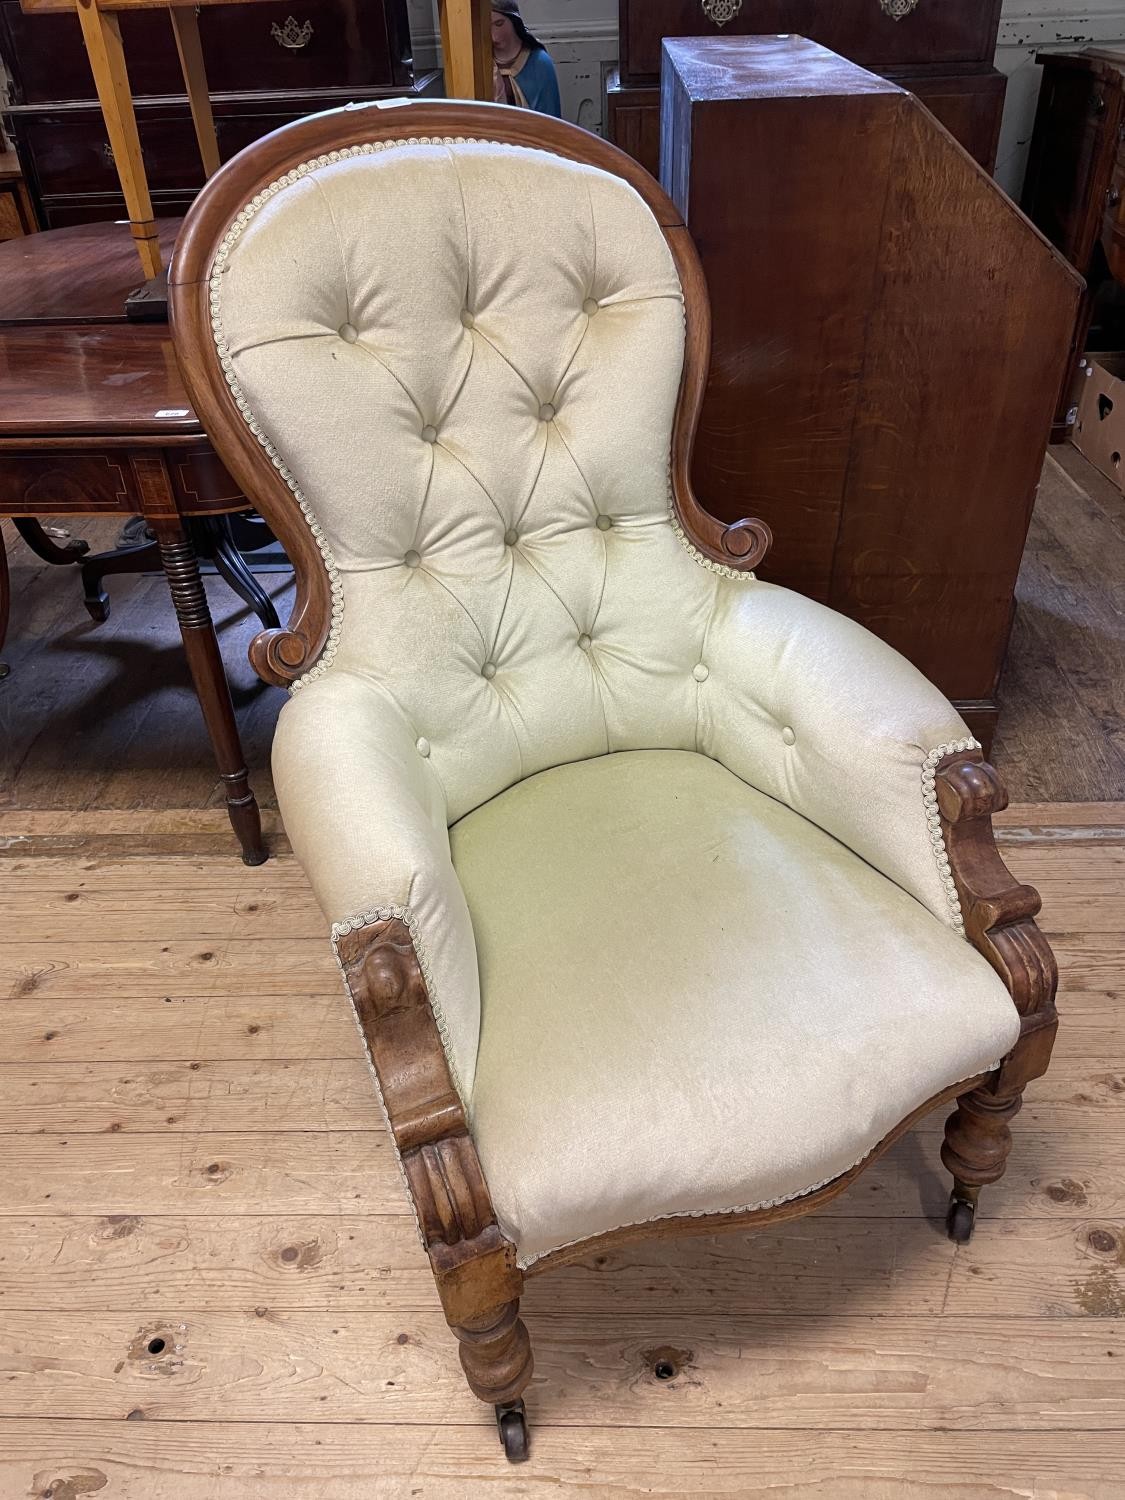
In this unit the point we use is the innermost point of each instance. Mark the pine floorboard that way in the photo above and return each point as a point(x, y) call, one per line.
point(191, 1154)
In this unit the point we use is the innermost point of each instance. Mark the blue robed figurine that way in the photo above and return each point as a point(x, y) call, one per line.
point(523, 72)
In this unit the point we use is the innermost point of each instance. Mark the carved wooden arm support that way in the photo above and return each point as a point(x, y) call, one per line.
point(999, 912)
point(474, 1264)
point(739, 544)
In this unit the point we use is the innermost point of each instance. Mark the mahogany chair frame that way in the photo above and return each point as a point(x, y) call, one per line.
point(473, 1262)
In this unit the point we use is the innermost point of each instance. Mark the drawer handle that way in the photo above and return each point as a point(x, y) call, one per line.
point(898, 10)
point(721, 11)
point(292, 36)
point(1098, 106)
point(1113, 197)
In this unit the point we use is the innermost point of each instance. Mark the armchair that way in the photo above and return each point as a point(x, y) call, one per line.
point(665, 899)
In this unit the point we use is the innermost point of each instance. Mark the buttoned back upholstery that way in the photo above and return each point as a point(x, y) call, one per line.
point(465, 358)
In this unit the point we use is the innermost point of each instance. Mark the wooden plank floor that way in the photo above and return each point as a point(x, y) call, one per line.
point(211, 1287)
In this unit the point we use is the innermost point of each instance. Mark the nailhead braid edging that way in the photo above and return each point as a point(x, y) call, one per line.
point(933, 825)
point(673, 515)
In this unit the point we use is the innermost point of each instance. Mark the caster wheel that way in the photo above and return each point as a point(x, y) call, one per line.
point(4, 670)
point(511, 1422)
point(959, 1221)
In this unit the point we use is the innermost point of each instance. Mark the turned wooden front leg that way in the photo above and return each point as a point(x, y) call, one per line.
point(496, 1355)
point(978, 1140)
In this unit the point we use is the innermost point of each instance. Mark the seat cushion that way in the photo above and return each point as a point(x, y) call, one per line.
point(693, 999)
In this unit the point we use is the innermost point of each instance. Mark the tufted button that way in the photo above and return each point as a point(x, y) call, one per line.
point(546, 412)
point(511, 537)
point(467, 320)
point(590, 307)
point(348, 333)
point(604, 523)
point(488, 670)
point(429, 434)
point(412, 559)
point(787, 735)
point(700, 672)
point(584, 641)
point(422, 746)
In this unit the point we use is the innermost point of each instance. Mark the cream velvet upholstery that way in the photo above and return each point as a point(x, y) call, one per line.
point(695, 999)
point(464, 358)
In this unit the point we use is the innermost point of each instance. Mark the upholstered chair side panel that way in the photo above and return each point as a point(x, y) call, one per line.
point(816, 711)
point(366, 817)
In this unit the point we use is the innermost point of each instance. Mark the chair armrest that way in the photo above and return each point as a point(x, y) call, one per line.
point(999, 912)
point(365, 814)
point(814, 710)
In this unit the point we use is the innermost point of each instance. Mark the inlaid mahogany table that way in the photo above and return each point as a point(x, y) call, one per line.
point(93, 421)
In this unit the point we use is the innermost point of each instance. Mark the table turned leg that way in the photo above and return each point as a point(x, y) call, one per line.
point(181, 568)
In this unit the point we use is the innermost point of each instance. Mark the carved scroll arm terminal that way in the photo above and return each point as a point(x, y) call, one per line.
point(999, 911)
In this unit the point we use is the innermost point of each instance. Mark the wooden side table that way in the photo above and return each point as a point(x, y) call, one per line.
point(104, 427)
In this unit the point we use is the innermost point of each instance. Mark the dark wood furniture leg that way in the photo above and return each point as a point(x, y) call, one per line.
point(181, 568)
point(33, 535)
point(232, 568)
point(143, 558)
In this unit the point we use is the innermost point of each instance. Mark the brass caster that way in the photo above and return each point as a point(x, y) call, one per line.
point(959, 1220)
point(511, 1423)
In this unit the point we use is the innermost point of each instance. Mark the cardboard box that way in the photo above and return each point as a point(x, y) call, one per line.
point(1099, 430)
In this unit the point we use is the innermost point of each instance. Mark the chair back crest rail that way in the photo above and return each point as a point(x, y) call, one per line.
point(281, 656)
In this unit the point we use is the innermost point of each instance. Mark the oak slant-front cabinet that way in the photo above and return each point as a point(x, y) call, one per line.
point(884, 360)
point(266, 64)
point(940, 50)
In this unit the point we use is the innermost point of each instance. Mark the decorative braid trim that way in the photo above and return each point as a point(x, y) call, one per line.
point(355, 924)
point(226, 361)
point(706, 1213)
point(933, 823)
